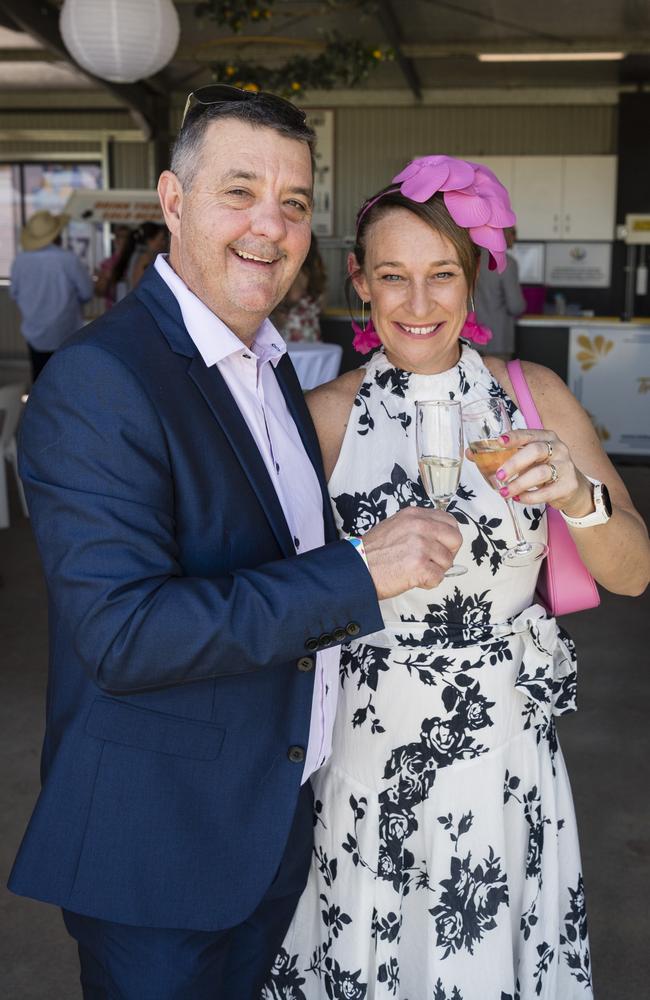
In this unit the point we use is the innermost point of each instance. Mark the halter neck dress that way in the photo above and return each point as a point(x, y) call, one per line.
point(446, 863)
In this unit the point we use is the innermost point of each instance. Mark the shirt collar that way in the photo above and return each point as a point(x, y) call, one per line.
point(213, 338)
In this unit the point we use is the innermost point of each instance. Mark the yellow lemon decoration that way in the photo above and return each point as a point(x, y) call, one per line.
point(592, 351)
point(295, 85)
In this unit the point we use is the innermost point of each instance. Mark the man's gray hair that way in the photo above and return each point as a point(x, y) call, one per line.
point(188, 147)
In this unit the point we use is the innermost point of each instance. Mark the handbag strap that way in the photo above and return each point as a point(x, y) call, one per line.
point(523, 394)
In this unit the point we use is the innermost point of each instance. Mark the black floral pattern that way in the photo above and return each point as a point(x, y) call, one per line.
point(469, 902)
point(445, 756)
point(574, 937)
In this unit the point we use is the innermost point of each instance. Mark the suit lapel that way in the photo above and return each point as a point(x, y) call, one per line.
point(213, 387)
point(154, 293)
point(295, 400)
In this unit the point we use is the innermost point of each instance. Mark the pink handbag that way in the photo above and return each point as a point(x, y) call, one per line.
point(565, 584)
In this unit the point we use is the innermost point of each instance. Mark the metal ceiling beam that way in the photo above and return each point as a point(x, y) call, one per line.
point(441, 50)
point(27, 55)
point(392, 29)
point(40, 20)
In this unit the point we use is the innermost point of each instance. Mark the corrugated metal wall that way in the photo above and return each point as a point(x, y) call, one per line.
point(372, 144)
point(131, 165)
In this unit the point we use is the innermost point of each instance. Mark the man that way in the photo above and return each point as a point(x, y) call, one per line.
point(49, 285)
point(199, 594)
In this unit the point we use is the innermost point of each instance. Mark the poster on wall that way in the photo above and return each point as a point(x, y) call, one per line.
point(578, 265)
point(322, 123)
point(609, 372)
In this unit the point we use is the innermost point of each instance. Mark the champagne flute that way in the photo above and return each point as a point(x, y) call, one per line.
point(484, 422)
point(439, 438)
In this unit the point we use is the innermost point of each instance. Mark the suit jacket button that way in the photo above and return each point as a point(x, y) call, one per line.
point(311, 645)
point(305, 664)
point(340, 634)
point(352, 628)
point(325, 640)
point(296, 755)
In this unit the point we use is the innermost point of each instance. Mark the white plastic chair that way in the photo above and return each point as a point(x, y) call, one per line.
point(10, 404)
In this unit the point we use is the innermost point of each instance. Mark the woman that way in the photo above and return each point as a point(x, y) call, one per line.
point(446, 863)
point(297, 317)
point(110, 282)
point(152, 240)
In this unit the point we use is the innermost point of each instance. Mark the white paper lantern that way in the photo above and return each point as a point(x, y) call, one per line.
point(120, 40)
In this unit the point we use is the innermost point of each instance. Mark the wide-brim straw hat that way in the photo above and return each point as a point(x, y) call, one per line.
point(42, 229)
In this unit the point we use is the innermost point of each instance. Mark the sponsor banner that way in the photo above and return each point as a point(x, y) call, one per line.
point(609, 372)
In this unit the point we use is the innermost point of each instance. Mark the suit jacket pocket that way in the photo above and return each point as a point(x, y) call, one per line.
point(142, 729)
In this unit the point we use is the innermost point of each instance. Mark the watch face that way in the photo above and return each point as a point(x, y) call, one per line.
point(607, 503)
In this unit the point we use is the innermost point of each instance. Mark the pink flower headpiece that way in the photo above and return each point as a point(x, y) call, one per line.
point(474, 198)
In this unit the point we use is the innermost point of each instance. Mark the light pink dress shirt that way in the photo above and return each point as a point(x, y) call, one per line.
point(249, 375)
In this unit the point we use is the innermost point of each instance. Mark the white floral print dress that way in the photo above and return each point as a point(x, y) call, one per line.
point(446, 862)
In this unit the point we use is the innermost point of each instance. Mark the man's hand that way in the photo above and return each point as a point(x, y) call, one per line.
point(413, 548)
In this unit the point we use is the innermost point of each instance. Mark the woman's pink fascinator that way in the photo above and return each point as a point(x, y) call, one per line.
point(475, 200)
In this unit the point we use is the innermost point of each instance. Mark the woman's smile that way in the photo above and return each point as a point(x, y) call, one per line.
point(420, 332)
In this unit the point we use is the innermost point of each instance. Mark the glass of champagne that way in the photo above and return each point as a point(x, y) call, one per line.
point(439, 439)
point(484, 422)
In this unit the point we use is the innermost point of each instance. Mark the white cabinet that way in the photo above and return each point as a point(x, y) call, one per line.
point(564, 197)
point(559, 197)
point(536, 196)
point(589, 197)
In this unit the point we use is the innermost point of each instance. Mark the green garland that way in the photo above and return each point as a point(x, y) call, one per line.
point(341, 64)
point(235, 13)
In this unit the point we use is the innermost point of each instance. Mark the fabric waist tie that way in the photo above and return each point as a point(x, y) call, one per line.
point(546, 671)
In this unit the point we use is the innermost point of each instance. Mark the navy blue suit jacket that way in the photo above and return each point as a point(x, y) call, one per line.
point(178, 614)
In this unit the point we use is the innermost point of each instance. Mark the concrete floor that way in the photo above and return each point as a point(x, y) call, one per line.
point(607, 746)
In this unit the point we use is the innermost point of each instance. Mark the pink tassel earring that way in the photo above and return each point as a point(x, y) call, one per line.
point(365, 336)
point(472, 330)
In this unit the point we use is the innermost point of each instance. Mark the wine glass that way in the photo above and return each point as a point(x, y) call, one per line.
point(484, 422)
point(439, 438)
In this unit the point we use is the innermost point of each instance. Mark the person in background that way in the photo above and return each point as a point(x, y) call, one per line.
point(110, 279)
point(298, 315)
point(49, 285)
point(152, 240)
point(499, 300)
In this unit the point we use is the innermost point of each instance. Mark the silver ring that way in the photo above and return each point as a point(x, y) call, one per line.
point(553, 478)
point(549, 448)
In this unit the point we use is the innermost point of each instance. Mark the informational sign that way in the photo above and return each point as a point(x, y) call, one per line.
point(609, 372)
point(530, 260)
point(322, 123)
point(118, 206)
point(578, 265)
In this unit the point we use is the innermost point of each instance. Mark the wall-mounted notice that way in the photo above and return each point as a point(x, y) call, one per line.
point(578, 265)
point(609, 372)
point(322, 123)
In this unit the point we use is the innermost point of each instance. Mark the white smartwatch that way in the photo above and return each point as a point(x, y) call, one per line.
point(600, 515)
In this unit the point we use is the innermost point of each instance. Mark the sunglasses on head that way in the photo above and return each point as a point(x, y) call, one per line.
point(223, 93)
